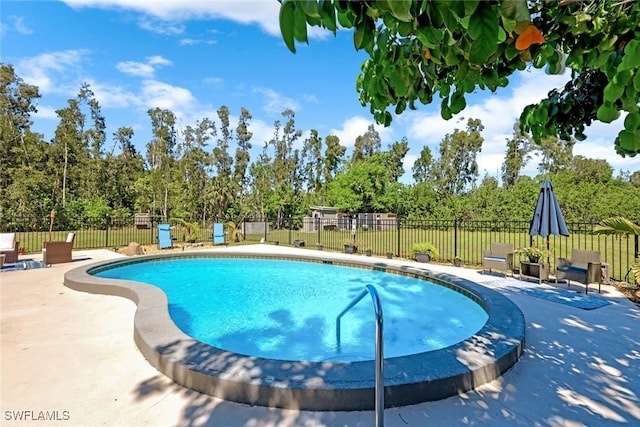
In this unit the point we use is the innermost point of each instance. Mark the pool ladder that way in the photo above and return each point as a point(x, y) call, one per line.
point(377, 309)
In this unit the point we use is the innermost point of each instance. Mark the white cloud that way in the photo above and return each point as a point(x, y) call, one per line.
point(262, 132)
point(111, 96)
point(53, 72)
point(262, 12)
point(213, 81)
point(498, 113)
point(160, 27)
point(165, 96)
point(357, 126)
point(145, 69)
point(20, 26)
point(276, 103)
point(194, 42)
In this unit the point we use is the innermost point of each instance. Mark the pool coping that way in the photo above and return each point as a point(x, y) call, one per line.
point(330, 386)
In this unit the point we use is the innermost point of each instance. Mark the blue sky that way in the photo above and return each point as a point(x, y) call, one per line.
point(192, 56)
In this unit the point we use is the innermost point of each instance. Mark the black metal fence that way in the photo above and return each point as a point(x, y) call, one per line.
point(456, 240)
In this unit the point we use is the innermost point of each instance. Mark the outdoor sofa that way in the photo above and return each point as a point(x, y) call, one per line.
point(584, 267)
point(56, 252)
point(9, 247)
point(499, 257)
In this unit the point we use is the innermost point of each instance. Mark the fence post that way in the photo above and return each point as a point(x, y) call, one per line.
point(265, 230)
point(318, 228)
point(290, 229)
point(106, 236)
point(398, 235)
point(455, 239)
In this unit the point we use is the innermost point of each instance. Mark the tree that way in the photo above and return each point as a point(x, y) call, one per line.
point(24, 184)
point(333, 158)
point(161, 157)
point(67, 152)
point(591, 170)
point(517, 156)
point(361, 187)
point(457, 168)
point(422, 49)
point(423, 166)
point(397, 151)
point(366, 145)
point(242, 156)
point(122, 171)
point(312, 161)
point(556, 154)
point(193, 165)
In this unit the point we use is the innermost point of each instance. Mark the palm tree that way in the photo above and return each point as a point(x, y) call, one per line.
point(192, 229)
point(619, 226)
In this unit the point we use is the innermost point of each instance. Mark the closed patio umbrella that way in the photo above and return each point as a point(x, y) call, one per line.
point(547, 218)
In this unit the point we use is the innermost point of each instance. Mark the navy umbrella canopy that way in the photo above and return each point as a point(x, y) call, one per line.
point(547, 218)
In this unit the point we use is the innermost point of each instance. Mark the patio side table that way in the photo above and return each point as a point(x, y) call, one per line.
point(534, 270)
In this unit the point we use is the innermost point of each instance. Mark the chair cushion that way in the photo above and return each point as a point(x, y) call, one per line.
point(572, 268)
point(7, 241)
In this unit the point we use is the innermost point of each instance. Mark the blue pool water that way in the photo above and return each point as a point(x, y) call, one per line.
point(287, 309)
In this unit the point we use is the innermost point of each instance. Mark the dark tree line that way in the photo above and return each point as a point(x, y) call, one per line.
point(205, 172)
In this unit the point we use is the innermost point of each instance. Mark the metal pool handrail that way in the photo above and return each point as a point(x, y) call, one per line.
point(377, 309)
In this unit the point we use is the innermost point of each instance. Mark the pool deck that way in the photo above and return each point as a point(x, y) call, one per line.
point(71, 355)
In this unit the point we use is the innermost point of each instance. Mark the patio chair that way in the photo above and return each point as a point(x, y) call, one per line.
point(9, 247)
point(584, 267)
point(499, 257)
point(57, 252)
point(218, 234)
point(164, 236)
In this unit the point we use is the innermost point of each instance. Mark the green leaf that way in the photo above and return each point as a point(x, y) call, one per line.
point(401, 9)
point(451, 58)
point(300, 26)
point(346, 18)
point(516, 10)
point(329, 16)
point(508, 24)
point(456, 7)
point(483, 28)
point(458, 103)
point(607, 114)
point(470, 6)
point(358, 36)
point(629, 141)
point(511, 52)
point(484, 23)
point(449, 20)
point(405, 28)
point(445, 112)
point(287, 17)
point(425, 36)
point(310, 7)
point(623, 77)
point(632, 51)
point(481, 50)
point(632, 121)
point(613, 92)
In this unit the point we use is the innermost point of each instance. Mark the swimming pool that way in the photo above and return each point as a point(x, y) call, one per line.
point(315, 385)
point(258, 307)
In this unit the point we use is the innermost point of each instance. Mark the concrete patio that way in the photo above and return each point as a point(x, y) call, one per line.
point(70, 357)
